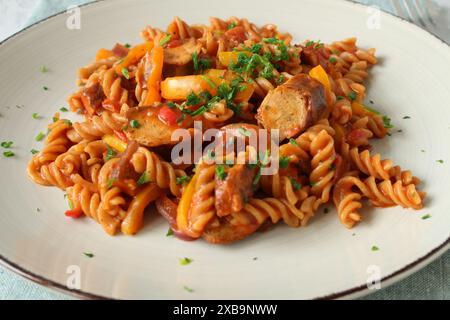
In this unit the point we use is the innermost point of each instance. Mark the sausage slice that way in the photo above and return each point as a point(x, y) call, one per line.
point(293, 106)
point(151, 131)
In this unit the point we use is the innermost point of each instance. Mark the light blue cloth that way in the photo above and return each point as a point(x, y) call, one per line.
point(432, 282)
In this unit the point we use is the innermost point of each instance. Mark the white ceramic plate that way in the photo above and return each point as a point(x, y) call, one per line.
point(322, 260)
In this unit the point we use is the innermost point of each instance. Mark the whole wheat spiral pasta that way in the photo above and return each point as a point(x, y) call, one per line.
point(202, 83)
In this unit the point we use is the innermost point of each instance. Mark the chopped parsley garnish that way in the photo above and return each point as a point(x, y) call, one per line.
point(34, 151)
point(338, 98)
point(352, 96)
point(38, 210)
point(220, 172)
point(425, 217)
point(45, 88)
point(193, 99)
point(127, 45)
point(63, 109)
point(387, 122)
point(200, 64)
point(188, 289)
point(134, 124)
point(44, 69)
point(375, 248)
point(110, 153)
point(406, 117)
point(7, 144)
point(40, 136)
point(165, 40)
point(295, 184)
point(248, 65)
point(231, 25)
point(110, 183)
point(312, 183)
point(423, 151)
point(183, 180)
point(169, 232)
point(35, 116)
point(185, 261)
point(440, 161)
point(8, 154)
point(89, 255)
point(125, 73)
point(332, 60)
point(284, 162)
point(143, 179)
point(209, 81)
point(293, 142)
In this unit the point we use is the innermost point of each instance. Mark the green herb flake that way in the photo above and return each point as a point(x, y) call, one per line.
point(34, 151)
point(220, 172)
point(293, 142)
point(423, 151)
point(134, 124)
point(143, 179)
point(38, 210)
point(333, 60)
point(440, 161)
point(186, 288)
point(35, 116)
point(127, 45)
point(338, 98)
point(169, 232)
point(406, 117)
point(209, 81)
point(125, 73)
point(110, 153)
point(183, 179)
point(45, 88)
point(43, 69)
point(425, 217)
point(7, 144)
point(63, 109)
point(185, 261)
point(192, 99)
point(387, 122)
point(40, 136)
point(352, 96)
point(284, 162)
point(231, 25)
point(165, 40)
point(110, 183)
point(375, 248)
point(295, 184)
point(8, 154)
point(88, 254)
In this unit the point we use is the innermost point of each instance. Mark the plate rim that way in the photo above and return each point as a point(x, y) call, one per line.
point(352, 293)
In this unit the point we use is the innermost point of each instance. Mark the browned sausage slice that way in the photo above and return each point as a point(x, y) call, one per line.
point(151, 131)
point(293, 106)
point(181, 55)
point(233, 192)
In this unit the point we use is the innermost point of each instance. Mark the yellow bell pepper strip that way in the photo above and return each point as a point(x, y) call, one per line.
point(135, 214)
point(114, 142)
point(320, 75)
point(154, 79)
point(226, 58)
point(134, 55)
point(184, 207)
point(103, 54)
point(359, 109)
point(178, 88)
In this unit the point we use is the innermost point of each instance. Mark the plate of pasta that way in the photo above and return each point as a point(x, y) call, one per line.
point(295, 153)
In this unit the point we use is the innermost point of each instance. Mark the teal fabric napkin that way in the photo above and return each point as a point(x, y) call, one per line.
point(432, 282)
